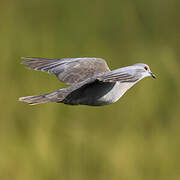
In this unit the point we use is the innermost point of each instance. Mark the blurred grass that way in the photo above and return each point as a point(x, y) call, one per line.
point(136, 138)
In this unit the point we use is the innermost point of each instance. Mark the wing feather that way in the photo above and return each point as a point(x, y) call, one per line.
point(68, 70)
point(115, 76)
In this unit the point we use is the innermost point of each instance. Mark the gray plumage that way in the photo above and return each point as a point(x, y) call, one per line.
point(92, 82)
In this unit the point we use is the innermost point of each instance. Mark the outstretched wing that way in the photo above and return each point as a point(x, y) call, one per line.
point(68, 70)
point(121, 76)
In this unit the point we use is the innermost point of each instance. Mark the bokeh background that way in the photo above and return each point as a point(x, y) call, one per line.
point(136, 138)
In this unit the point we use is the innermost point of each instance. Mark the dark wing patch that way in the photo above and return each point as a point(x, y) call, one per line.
point(68, 70)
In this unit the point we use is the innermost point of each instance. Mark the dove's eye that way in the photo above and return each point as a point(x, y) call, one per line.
point(146, 68)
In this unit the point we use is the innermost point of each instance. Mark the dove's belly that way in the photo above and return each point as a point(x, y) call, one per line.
point(115, 93)
point(98, 93)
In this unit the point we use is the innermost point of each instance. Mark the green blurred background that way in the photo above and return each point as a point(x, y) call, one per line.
point(137, 138)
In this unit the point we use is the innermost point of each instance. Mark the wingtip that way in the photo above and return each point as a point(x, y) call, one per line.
point(25, 60)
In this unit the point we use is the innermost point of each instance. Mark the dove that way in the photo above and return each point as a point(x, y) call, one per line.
point(90, 80)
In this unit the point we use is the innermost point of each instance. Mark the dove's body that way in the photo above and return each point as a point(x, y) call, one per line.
point(92, 81)
point(97, 94)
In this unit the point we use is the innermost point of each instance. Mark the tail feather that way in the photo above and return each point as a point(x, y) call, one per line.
point(39, 99)
point(33, 100)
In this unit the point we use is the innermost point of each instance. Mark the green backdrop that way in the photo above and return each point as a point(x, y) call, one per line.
point(137, 138)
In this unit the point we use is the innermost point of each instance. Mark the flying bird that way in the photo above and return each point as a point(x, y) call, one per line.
point(91, 81)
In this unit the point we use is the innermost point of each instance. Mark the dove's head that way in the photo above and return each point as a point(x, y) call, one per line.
point(144, 70)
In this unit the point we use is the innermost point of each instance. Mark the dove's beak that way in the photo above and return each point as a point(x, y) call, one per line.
point(152, 75)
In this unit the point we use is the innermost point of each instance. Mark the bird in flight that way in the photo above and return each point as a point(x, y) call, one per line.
point(91, 81)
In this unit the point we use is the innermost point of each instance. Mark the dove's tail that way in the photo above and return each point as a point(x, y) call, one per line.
point(56, 96)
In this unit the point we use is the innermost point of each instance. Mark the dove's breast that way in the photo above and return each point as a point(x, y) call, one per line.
point(97, 93)
point(115, 93)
